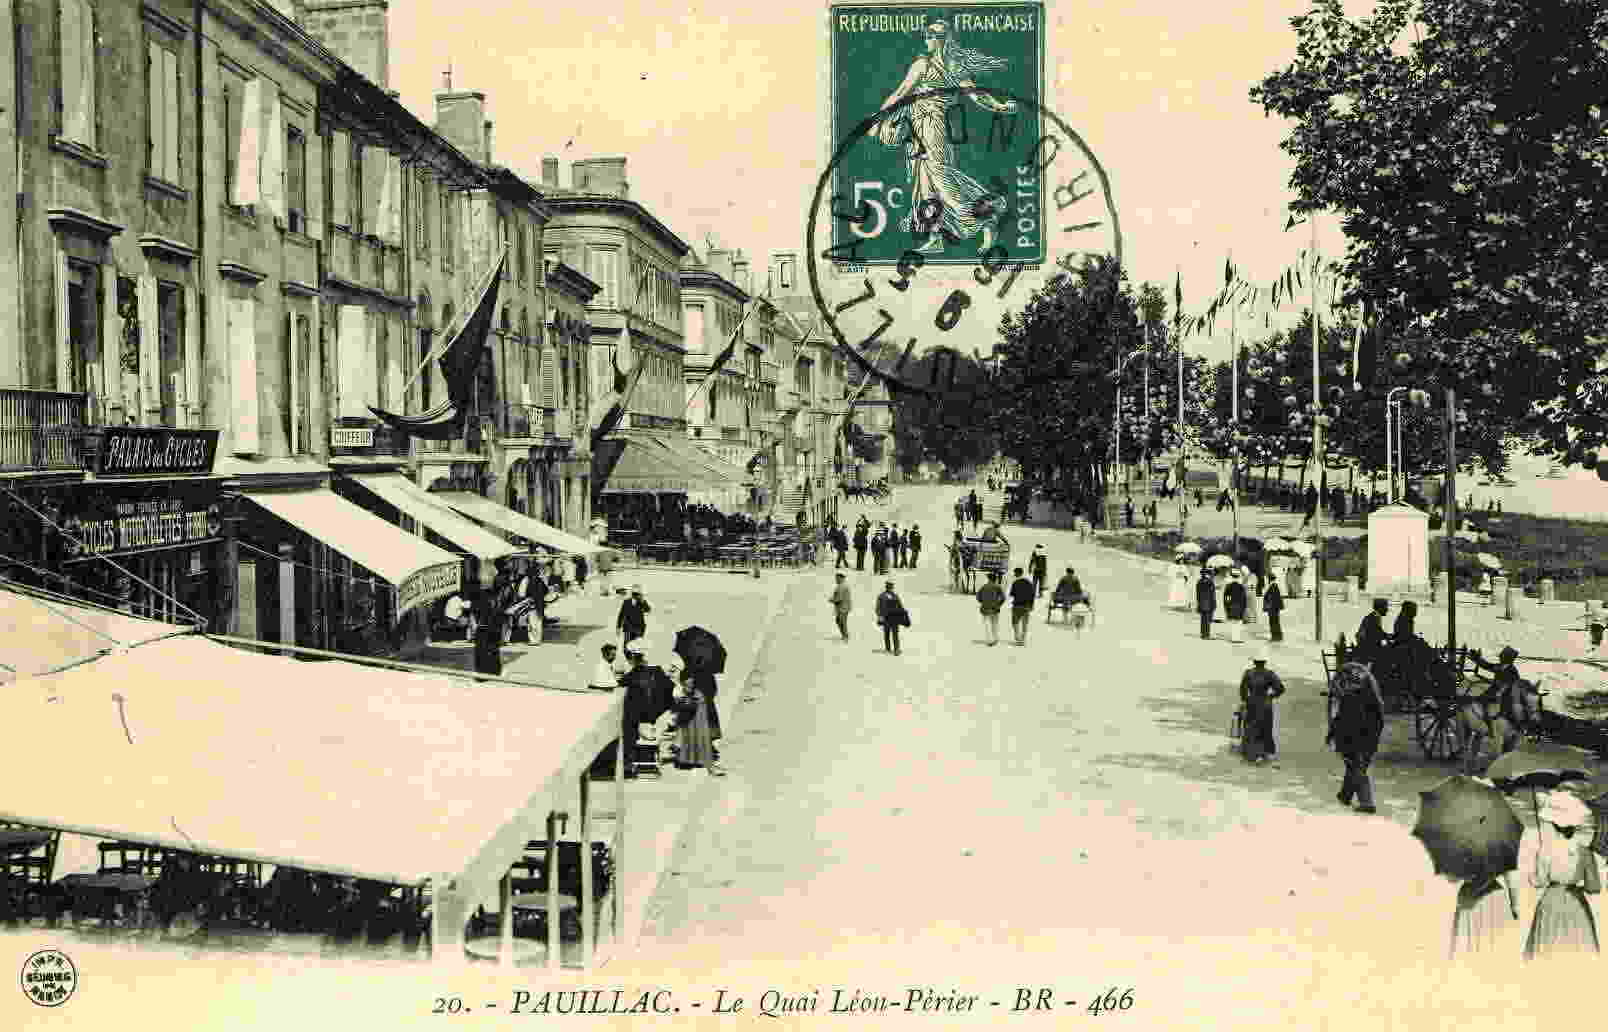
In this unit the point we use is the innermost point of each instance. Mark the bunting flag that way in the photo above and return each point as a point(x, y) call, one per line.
point(460, 362)
point(726, 352)
point(1228, 272)
point(1178, 294)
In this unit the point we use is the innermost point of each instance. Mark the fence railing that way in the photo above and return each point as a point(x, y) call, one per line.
point(41, 429)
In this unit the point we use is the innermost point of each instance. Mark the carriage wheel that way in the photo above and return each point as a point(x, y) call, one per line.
point(1437, 730)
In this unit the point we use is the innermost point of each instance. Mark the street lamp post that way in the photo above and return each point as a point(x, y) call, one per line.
point(1122, 363)
point(1391, 404)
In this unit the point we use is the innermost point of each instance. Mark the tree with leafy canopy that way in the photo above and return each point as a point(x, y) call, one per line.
point(952, 429)
point(1470, 167)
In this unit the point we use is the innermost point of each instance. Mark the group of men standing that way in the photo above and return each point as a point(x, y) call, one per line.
point(890, 547)
point(969, 507)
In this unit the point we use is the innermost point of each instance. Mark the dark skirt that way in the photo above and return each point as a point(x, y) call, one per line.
point(694, 739)
point(1258, 736)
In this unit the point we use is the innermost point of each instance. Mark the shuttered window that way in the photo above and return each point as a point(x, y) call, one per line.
point(340, 178)
point(549, 378)
point(296, 179)
point(162, 78)
point(79, 58)
point(356, 384)
point(242, 315)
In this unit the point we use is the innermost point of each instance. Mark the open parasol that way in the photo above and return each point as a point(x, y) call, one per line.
point(1275, 544)
point(1537, 767)
point(1468, 828)
point(1489, 561)
point(1186, 548)
point(1219, 562)
point(701, 650)
point(1304, 549)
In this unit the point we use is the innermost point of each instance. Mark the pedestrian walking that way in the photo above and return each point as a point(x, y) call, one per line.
point(1359, 721)
point(1038, 567)
point(632, 623)
point(488, 617)
point(1259, 687)
point(1022, 597)
point(1205, 602)
point(842, 603)
point(990, 600)
point(1234, 599)
point(1127, 512)
point(695, 744)
point(891, 616)
point(960, 514)
point(879, 552)
point(904, 549)
point(915, 544)
point(1565, 872)
point(1273, 605)
point(861, 537)
point(840, 544)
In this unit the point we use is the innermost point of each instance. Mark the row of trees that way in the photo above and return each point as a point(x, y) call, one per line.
point(1465, 145)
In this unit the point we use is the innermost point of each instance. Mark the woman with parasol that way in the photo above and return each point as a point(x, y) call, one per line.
point(1472, 836)
point(1565, 872)
point(695, 745)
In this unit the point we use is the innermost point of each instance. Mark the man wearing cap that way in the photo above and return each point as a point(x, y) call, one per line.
point(915, 544)
point(1205, 601)
point(1234, 599)
point(1038, 567)
point(1258, 688)
point(1023, 595)
point(1358, 723)
point(632, 622)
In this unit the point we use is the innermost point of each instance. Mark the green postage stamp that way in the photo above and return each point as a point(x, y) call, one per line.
point(932, 110)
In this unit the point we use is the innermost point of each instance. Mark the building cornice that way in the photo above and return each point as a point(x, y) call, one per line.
point(572, 280)
point(567, 203)
point(704, 278)
point(83, 222)
point(172, 250)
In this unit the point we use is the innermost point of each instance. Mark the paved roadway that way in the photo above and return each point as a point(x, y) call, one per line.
point(1065, 815)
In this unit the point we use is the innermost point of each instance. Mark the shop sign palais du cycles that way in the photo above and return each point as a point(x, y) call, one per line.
point(103, 520)
point(136, 451)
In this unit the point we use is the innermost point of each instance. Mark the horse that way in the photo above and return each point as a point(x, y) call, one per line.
point(1480, 722)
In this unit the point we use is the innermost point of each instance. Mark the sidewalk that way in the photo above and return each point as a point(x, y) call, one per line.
point(736, 607)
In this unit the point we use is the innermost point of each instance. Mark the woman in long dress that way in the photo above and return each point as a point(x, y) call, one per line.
point(1565, 872)
point(944, 201)
point(1178, 589)
point(694, 738)
point(1486, 908)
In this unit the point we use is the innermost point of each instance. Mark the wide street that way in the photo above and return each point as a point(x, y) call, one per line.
point(1066, 815)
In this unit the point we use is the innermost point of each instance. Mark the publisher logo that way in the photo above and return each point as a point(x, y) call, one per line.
point(49, 978)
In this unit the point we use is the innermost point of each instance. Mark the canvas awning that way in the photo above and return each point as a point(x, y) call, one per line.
point(412, 500)
point(503, 518)
point(418, 570)
point(724, 472)
point(644, 466)
point(41, 632)
point(346, 769)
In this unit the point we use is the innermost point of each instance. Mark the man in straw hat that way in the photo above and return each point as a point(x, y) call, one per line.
point(1258, 688)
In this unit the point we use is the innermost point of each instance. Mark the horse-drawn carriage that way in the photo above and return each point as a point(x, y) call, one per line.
point(971, 556)
point(1442, 693)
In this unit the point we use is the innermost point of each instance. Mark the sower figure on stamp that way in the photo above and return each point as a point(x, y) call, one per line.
point(944, 201)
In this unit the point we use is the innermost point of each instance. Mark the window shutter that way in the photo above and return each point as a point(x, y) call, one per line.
point(549, 378)
point(192, 359)
point(73, 62)
point(248, 163)
point(375, 163)
point(313, 170)
point(340, 178)
point(395, 346)
point(111, 346)
point(170, 141)
point(393, 199)
point(243, 373)
point(156, 108)
point(353, 360)
point(64, 331)
point(273, 149)
point(150, 361)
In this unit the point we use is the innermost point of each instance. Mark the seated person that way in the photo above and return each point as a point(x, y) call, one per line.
point(1371, 635)
point(1068, 589)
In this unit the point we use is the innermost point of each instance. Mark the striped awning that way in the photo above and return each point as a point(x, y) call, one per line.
point(642, 465)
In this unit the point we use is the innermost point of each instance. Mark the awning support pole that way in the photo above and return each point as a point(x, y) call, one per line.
point(627, 734)
point(505, 911)
point(554, 942)
point(586, 904)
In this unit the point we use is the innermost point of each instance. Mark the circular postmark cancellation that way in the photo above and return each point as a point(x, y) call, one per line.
point(999, 231)
point(49, 978)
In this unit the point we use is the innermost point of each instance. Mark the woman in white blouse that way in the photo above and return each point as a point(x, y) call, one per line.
point(1565, 872)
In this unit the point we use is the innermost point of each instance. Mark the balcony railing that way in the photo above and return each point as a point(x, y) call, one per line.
point(41, 430)
point(537, 421)
point(731, 433)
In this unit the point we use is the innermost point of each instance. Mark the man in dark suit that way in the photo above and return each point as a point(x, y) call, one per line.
point(862, 538)
point(1205, 602)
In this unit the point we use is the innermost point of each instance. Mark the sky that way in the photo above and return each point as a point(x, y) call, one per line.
point(721, 109)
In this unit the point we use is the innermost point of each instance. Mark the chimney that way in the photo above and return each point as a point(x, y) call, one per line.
point(739, 271)
point(784, 272)
point(719, 262)
point(550, 172)
point(600, 176)
point(461, 119)
point(489, 151)
point(356, 31)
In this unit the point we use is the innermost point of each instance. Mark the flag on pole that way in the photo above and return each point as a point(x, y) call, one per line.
point(1178, 294)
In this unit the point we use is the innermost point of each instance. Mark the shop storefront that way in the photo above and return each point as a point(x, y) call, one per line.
point(142, 534)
